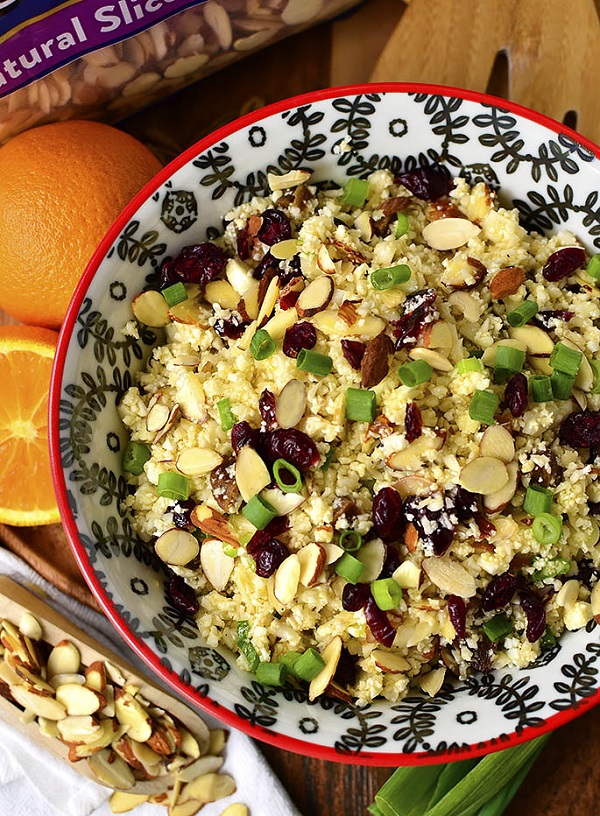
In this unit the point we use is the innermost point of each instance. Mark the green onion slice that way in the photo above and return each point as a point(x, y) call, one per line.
point(390, 276)
point(498, 627)
point(401, 225)
point(355, 192)
point(468, 365)
point(226, 415)
point(593, 267)
point(349, 568)
point(246, 646)
point(595, 364)
point(547, 640)
point(537, 500)
point(562, 384)
point(509, 359)
point(308, 665)
point(386, 593)
point(262, 345)
point(329, 457)
point(318, 364)
point(175, 294)
point(415, 373)
point(483, 406)
point(541, 388)
point(135, 457)
point(287, 476)
point(271, 674)
point(361, 404)
point(546, 528)
point(523, 313)
point(350, 540)
point(259, 512)
point(566, 359)
point(289, 660)
point(173, 486)
point(552, 569)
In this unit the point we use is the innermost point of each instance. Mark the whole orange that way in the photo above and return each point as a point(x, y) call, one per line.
point(61, 187)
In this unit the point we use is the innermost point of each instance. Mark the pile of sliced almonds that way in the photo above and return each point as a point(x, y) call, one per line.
point(128, 743)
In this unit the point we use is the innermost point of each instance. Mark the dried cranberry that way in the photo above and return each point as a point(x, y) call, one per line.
point(457, 612)
point(515, 395)
point(181, 596)
point(466, 504)
point(434, 526)
point(499, 592)
point(563, 263)
point(301, 335)
point(482, 661)
point(345, 673)
point(587, 573)
point(413, 422)
point(242, 243)
point(387, 514)
point(417, 310)
point(379, 623)
point(581, 429)
point(535, 612)
point(268, 555)
point(391, 563)
point(294, 446)
point(275, 227)
point(486, 527)
point(353, 351)
point(266, 265)
point(545, 318)
point(242, 434)
point(427, 183)
point(232, 329)
point(197, 263)
point(355, 596)
point(266, 406)
point(181, 513)
point(274, 529)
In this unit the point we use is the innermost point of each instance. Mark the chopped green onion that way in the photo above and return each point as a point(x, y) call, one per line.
point(229, 549)
point(318, 364)
point(175, 294)
point(289, 660)
point(355, 192)
point(537, 500)
point(552, 569)
point(287, 476)
point(510, 359)
point(173, 486)
point(546, 528)
point(308, 665)
point(566, 359)
point(226, 415)
point(483, 406)
point(390, 276)
point(349, 568)
point(414, 373)
point(271, 674)
point(498, 627)
point(523, 313)
point(369, 484)
point(246, 646)
point(262, 345)
point(595, 364)
point(135, 457)
point(593, 267)
point(329, 457)
point(562, 384)
point(386, 593)
point(468, 365)
point(401, 225)
point(360, 404)
point(350, 540)
point(541, 388)
point(259, 512)
point(547, 640)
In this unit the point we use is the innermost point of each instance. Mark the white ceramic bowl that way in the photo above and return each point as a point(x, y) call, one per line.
point(549, 172)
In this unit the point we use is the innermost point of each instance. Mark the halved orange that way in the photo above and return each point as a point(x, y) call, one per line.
point(26, 491)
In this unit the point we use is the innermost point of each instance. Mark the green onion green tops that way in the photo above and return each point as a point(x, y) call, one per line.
point(349, 568)
point(259, 512)
point(595, 364)
point(414, 373)
point(388, 277)
point(562, 384)
point(361, 404)
point(566, 359)
point(175, 294)
point(401, 225)
point(546, 528)
point(593, 267)
point(498, 627)
point(552, 569)
point(483, 406)
point(135, 457)
point(262, 345)
point(537, 500)
point(226, 415)
point(318, 364)
point(245, 645)
point(287, 476)
point(541, 388)
point(350, 540)
point(509, 359)
point(468, 365)
point(355, 192)
point(308, 665)
point(173, 485)
point(386, 593)
point(271, 674)
point(523, 313)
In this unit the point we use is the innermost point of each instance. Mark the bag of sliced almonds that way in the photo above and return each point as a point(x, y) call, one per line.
point(103, 59)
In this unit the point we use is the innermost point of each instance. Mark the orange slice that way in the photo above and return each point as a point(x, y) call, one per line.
point(26, 491)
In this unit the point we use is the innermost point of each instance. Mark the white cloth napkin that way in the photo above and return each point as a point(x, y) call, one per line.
point(33, 783)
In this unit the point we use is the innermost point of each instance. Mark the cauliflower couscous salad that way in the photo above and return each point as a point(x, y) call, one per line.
point(367, 446)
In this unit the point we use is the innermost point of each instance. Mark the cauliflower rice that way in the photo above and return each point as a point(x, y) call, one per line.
point(457, 570)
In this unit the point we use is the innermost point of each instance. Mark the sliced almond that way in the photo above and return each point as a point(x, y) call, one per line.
point(37, 702)
point(207, 788)
point(568, 594)
point(449, 233)
point(8, 675)
point(282, 503)
point(95, 676)
point(330, 324)
point(123, 802)
point(315, 297)
point(284, 250)
point(287, 578)
point(325, 262)
point(248, 305)
point(189, 312)
point(348, 312)
point(496, 502)
point(436, 360)
point(202, 765)
point(78, 729)
point(413, 486)
point(237, 809)
point(48, 728)
point(111, 770)
point(130, 713)
point(585, 376)
point(171, 420)
point(433, 681)
point(484, 475)
point(331, 655)
point(311, 558)
point(239, 276)
point(288, 180)
point(467, 305)
point(214, 524)
point(78, 700)
point(438, 335)
point(364, 225)
point(332, 552)
point(450, 576)
point(280, 323)
point(410, 458)
point(497, 442)
point(157, 417)
point(375, 364)
point(63, 659)
point(189, 743)
point(411, 537)
point(595, 601)
point(30, 627)
point(151, 309)
point(176, 547)
point(407, 575)
point(222, 293)
point(536, 341)
point(268, 302)
point(506, 282)
point(291, 404)
point(372, 556)
point(198, 461)
point(251, 473)
point(389, 662)
point(189, 807)
point(216, 565)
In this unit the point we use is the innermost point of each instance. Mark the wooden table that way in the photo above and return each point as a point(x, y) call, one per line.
point(566, 778)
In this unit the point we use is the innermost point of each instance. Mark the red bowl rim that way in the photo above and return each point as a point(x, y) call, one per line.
point(139, 647)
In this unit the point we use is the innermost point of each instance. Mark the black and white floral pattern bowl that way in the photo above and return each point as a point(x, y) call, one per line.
point(549, 172)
